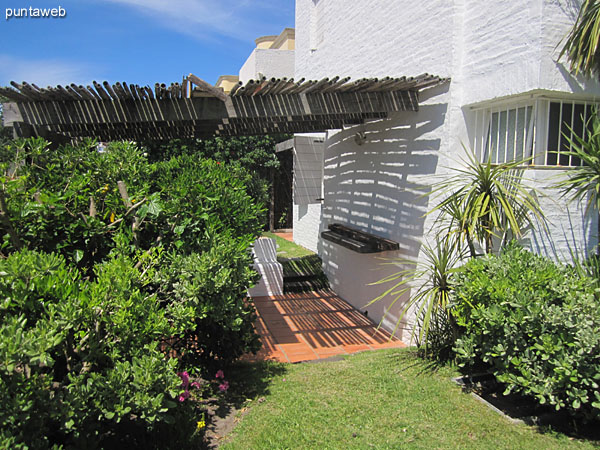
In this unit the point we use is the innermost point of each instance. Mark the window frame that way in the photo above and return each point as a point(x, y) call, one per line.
point(539, 126)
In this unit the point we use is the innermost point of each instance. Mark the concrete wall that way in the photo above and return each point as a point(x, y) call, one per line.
point(308, 188)
point(512, 48)
point(268, 62)
point(307, 225)
point(491, 50)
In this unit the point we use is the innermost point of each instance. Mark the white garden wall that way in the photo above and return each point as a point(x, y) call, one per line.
point(307, 225)
point(491, 49)
point(268, 62)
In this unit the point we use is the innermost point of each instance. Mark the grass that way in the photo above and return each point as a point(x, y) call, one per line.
point(384, 399)
point(299, 262)
point(288, 249)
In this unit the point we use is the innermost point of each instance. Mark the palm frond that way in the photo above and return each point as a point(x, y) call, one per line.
point(583, 182)
point(432, 295)
point(582, 43)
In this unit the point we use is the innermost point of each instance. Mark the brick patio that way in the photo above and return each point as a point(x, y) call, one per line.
point(288, 236)
point(314, 325)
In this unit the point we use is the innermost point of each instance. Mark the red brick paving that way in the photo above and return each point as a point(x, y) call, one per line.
point(314, 325)
point(286, 236)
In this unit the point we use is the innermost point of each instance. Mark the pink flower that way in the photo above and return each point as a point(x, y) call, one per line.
point(220, 374)
point(196, 385)
point(185, 378)
point(224, 386)
point(183, 397)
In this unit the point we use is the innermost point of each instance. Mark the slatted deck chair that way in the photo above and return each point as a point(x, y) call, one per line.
point(264, 252)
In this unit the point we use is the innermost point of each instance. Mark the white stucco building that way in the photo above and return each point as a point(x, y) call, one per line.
point(273, 57)
point(507, 91)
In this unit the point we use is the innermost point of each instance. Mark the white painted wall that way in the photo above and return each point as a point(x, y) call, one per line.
point(307, 225)
point(491, 49)
point(268, 62)
point(308, 188)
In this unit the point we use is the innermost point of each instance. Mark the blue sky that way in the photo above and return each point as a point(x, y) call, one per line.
point(137, 41)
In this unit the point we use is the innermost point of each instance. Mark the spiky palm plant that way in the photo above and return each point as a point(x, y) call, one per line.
point(582, 46)
point(583, 182)
point(433, 274)
point(481, 202)
point(488, 200)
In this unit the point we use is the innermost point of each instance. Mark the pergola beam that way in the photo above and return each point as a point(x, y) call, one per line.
point(123, 111)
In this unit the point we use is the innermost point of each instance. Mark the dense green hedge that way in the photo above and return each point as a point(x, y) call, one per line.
point(116, 274)
point(78, 357)
point(536, 324)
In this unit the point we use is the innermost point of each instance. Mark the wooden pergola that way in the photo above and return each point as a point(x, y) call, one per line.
point(196, 109)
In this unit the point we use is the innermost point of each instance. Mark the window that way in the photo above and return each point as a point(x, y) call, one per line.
point(565, 120)
point(541, 128)
point(510, 135)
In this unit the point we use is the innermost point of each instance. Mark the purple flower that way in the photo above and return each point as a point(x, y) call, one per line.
point(224, 386)
point(183, 397)
point(185, 378)
point(220, 374)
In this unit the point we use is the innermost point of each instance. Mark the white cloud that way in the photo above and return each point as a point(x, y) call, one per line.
point(43, 72)
point(239, 19)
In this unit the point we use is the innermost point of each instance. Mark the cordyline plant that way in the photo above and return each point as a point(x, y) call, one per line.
point(433, 296)
point(583, 182)
point(482, 202)
point(582, 44)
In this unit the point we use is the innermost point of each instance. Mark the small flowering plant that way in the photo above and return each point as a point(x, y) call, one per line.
point(185, 384)
point(223, 384)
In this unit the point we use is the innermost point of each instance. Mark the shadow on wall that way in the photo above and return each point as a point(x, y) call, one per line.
point(378, 187)
point(574, 236)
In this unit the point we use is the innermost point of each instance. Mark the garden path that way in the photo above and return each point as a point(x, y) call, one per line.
point(287, 235)
point(315, 325)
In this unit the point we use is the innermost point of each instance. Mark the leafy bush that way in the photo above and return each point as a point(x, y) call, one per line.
point(77, 358)
point(535, 324)
point(108, 260)
point(200, 199)
point(212, 286)
point(70, 201)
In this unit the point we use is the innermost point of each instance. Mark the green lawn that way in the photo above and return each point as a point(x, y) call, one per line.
point(385, 399)
point(287, 249)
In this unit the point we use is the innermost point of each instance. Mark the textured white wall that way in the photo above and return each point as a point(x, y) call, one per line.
point(491, 49)
point(248, 70)
point(567, 230)
point(307, 225)
point(511, 47)
point(269, 62)
point(308, 187)
point(374, 37)
point(308, 169)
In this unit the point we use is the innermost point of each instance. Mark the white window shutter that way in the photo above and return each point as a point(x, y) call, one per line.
point(308, 169)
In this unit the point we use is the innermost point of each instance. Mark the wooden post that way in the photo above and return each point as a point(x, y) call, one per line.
point(272, 202)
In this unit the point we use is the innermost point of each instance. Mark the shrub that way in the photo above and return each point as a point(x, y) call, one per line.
point(213, 286)
point(177, 204)
point(535, 324)
point(107, 260)
point(256, 154)
point(67, 200)
point(201, 199)
point(77, 358)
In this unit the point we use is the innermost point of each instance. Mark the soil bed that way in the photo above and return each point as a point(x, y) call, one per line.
point(522, 409)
